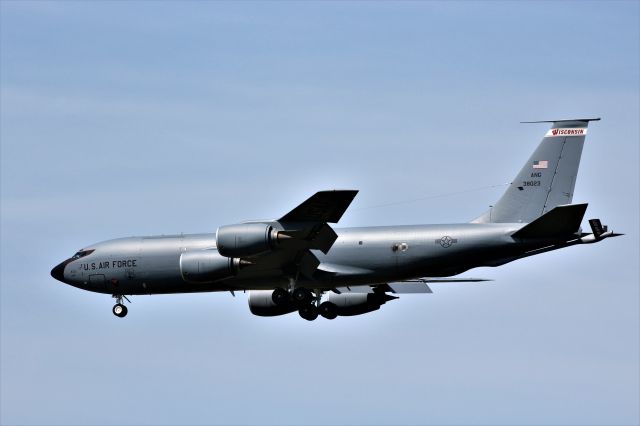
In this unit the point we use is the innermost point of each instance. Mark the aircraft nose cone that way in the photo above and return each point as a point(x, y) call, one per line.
point(58, 272)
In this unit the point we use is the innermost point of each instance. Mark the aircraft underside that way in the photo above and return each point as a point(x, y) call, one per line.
point(300, 263)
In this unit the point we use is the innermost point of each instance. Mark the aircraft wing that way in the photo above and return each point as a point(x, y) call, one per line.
point(303, 229)
point(406, 287)
point(323, 206)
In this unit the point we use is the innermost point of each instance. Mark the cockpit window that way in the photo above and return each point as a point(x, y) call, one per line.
point(81, 253)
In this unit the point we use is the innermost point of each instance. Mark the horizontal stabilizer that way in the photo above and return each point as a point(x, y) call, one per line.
point(562, 120)
point(558, 222)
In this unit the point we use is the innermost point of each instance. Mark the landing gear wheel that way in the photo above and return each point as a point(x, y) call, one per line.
point(328, 310)
point(309, 312)
point(280, 296)
point(120, 310)
point(302, 296)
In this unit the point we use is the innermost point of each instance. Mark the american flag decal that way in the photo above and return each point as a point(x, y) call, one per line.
point(541, 164)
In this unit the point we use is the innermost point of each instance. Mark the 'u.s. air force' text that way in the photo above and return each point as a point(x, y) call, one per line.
point(109, 264)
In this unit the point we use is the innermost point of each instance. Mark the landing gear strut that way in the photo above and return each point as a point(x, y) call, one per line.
point(119, 309)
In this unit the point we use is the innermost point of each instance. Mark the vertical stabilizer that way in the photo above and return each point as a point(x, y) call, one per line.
point(547, 179)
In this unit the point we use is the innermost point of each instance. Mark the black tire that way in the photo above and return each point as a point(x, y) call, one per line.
point(302, 296)
point(280, 296)
point(120, 310)
point(309, 312)
point(328, 310)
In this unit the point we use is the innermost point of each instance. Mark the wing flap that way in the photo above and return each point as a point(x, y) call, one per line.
point(419, 286)
point(410, 288)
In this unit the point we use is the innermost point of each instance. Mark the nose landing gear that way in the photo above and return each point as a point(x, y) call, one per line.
point(119, 309)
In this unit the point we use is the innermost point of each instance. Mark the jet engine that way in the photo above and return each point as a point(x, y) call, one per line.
point(246, 239)
point(205, 266)
point(261, 304)
point(349, 304)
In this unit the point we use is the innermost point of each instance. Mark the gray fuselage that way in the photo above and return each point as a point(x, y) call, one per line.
point(360, 256)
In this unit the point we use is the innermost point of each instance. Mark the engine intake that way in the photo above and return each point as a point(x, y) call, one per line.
point(205, 266)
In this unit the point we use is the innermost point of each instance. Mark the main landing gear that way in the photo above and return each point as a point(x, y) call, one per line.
point(309, 306)
point(119, 309)
point(328, 310)
point(308, 312)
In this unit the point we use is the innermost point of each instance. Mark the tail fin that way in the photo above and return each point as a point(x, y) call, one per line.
point(547, 179)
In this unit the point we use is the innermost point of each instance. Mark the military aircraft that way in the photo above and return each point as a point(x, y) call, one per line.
point(300, 263)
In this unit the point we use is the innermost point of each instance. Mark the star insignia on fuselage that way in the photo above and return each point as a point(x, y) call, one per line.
point(446, 241)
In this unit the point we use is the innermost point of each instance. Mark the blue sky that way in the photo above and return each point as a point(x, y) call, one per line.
point(138, 118)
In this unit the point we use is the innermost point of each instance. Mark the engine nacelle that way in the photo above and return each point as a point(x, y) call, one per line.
point(261, 304)
point(246, 239)
point(358, 303)
point(205, 266)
